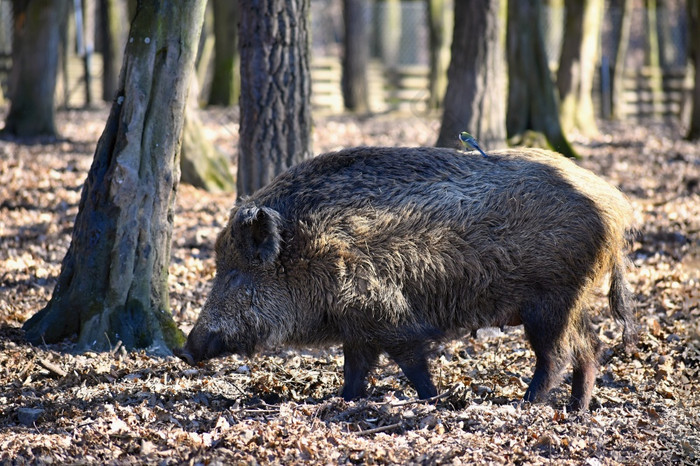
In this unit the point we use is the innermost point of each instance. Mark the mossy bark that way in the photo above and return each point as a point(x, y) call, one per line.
point(113, 281)
point(440, 22)
point(202, 165)
point(35, 53)
point(532, 102)
point(475, 98)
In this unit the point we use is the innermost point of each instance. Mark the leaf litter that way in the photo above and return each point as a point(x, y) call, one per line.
point(282, 406)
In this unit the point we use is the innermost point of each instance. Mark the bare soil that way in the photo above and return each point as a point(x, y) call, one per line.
point(282, 406)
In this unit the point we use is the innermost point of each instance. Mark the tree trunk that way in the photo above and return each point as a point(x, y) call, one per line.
point(113, 283)
point(577, 65)
point(202, 165)
point(112, 14)
point(693, 7)
point(475, 97)
point(439, 23)
point(532, 104)
point(355, 56)
point(388, 40)
point(275, 90)
point(88, 47)
point(35, 55)
point(225, 86)
point(622, 38)
point(653, 57)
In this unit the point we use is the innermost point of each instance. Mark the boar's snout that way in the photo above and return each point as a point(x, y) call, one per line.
point(200, 346)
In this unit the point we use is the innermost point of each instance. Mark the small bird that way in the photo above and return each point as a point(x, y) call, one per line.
point(469, 142)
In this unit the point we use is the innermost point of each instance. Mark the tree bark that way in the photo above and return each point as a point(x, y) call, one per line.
point(35, 55)
point(577, 65)
point(226, 83)
point(112, 14)
point(693, 7)
point(355, 56)
point(475, 97)
point(532, 104)
point(275, 90)
point(113, 284)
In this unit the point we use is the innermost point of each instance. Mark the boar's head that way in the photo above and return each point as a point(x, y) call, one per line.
point(248, 303)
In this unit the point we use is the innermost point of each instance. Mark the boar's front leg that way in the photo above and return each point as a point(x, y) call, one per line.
point(359, 360)
point(411, 358)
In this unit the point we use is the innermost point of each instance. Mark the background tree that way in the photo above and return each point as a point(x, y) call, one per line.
point(275, 90)
point(577, 65)
point(475, 97)
point(35, 52)
point(693, 7)
point(532, 104)
point(202, 164)
point(355, 56)
point(440, 22)
point(225, 85)
point(621, 38)
point(113, 38)
point(113, 283)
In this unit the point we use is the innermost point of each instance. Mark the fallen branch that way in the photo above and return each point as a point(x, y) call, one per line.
point(51, 367)
point(379, 429)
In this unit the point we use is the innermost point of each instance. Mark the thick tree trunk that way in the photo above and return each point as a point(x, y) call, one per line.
point(275, 90)
point(355, 56)
point(202, 165)
point(226, 83)
point(475, 98)
point(114, 279)
point(35, 55)
point(577, 64)
point(693, 7)
point(112, 14)
point(439, 23)
point(532, 104)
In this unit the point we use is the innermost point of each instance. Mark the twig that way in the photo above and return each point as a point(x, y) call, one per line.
point(379, 429)
point(426, 400)
point(53, 368)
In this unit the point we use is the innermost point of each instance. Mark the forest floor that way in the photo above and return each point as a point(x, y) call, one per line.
point(282, 407)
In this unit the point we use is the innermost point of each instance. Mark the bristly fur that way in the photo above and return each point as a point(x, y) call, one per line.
point(388, 249)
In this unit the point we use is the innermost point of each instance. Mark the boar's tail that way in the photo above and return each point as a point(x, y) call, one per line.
point(621, 305)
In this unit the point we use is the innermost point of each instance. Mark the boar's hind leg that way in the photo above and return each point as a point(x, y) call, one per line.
point(544, 323)
point(359, 359)
point(411, 358)
point(585, 364)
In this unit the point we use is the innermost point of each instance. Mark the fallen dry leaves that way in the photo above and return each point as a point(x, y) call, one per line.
point(282, 406)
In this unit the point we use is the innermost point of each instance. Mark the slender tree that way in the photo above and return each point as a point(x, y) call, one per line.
point(113, 37)
point(355, 56)
point(439, 24)
point(35, 53)
point(225, 85)
point(621, 38)
point(475, 99)
point(693, 7)
point(577, 64)
point(113, 284)
point(275, 131)
point(532, 103)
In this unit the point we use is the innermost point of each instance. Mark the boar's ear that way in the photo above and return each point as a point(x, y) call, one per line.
point(259, 230)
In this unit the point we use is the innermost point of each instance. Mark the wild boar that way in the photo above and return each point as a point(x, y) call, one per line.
point(393, 249)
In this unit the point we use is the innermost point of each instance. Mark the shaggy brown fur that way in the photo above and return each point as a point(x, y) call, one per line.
point(390, 249)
